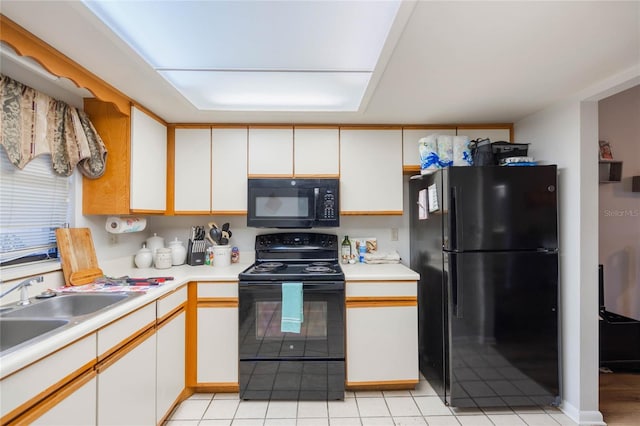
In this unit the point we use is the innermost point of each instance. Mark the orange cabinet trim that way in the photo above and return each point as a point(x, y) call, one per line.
point(122, 350)
point(380, 302)
point(218, 302)
point(382, 385)
point(116, 351)
point(212, 387)
point(370, 213)
point(164, 320)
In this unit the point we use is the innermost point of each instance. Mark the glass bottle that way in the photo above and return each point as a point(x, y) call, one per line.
point(346, 249)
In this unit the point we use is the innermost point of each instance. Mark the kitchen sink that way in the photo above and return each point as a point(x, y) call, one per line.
point(66, 306)
point(13, 332)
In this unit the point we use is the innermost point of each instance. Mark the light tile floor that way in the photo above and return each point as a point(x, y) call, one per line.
point(395, 408)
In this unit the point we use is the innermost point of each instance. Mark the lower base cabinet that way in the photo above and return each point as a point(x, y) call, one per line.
point(382, 346)
point(127, 387)
point(217, 346)
point(77, 409)
point(170, 364)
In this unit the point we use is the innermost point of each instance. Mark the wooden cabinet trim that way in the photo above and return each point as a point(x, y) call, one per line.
point(218, 302)
point(121, 350)
point(50, 401)
point(380, 302)
point(164, 320)
point(382, 385)
point(368, 213)
point(26, 44)
point(213, 387)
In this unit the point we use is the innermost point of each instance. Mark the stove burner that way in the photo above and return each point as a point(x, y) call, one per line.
point(269, 267)
point(319, 268)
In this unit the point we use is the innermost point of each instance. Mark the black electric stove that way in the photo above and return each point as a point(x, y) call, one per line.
point(284, 365)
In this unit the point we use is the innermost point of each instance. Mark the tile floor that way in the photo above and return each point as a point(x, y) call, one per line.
point(393, 408)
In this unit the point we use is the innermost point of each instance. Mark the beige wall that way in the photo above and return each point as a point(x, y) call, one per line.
point(619, 208)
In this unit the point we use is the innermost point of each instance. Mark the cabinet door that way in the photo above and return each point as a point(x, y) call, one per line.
point(127, 387)
point(317, 152)
point(271, 152)
point(229, 170)
point(148, 163)
point(170, 364)
point(192, 171)
point(493, 133)
point(382, 345)
point(77, 409)
point(217, 352)
point(410, 138)
point(371, 171)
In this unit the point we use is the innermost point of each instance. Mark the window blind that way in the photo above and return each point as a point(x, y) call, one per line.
point(33, 203)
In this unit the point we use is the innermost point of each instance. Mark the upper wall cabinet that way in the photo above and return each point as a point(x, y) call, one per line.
point(210, 171)
point(229, 170)
point(192, 173)
point(316, 152)
point(370, 171)
point(148, 163)
point(410, 138)
point(270, 151)
point(135, 180)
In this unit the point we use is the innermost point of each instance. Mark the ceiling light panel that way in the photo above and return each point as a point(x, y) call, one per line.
point(271, 91)
point(262, 35)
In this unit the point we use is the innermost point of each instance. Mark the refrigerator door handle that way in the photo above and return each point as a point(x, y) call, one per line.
point(455, 222)
point(456, 287)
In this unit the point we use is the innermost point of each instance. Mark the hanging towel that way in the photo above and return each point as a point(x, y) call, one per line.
point(292, 303)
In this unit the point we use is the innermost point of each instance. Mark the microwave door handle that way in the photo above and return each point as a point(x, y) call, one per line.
point(316, 194)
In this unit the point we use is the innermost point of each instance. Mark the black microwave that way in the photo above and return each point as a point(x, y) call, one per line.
point(293, 203)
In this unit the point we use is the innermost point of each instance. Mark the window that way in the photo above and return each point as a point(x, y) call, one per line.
point(33, 203)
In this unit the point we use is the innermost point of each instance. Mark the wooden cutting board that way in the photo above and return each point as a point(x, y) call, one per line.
point(77, 255)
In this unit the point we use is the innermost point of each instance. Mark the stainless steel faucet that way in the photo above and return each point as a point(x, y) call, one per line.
point(24, 295)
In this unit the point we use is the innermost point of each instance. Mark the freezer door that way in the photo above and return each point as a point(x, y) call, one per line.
point(500, 208)
point(502, 325)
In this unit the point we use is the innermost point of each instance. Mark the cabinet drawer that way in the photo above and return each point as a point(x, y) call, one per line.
point(121, 331)
point(54, 370)
point(380, 289)
point(217, 289)
point(171, 301)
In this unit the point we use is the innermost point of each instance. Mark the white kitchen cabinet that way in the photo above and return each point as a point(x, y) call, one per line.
point(127, 386)
point(25, 387)
point(382, 334)
point(410, 138)
point(371, 171)
point(229, 170)
point(494, 133)
point(148, 163)
point(170, 351)
point(217, 335)
point(192, 175)
point(76, 409)
point(270, 151)
point(316, 152)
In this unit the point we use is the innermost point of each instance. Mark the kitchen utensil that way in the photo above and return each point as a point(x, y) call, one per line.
point(77, 253)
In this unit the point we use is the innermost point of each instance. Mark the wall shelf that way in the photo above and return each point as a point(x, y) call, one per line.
point(609, 171)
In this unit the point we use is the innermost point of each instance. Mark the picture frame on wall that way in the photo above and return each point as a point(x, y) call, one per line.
point(605, 150)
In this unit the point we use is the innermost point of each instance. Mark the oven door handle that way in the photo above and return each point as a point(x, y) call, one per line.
point(306, 287)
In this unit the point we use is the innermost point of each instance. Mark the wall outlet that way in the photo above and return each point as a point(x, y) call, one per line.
point(394, 234)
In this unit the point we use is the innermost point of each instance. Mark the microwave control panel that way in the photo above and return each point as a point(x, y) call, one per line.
point(327, 209)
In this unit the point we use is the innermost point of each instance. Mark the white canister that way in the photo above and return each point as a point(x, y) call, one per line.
point(154, 243)
point(178, 252)
point(143, 258)
point(221, 255)
point(162, 258)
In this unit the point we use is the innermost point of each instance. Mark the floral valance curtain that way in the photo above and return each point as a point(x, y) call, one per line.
point(33, 123)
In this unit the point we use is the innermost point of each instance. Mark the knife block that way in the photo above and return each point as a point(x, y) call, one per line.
point(194, 258)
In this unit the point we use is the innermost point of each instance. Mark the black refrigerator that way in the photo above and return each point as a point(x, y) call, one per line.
point(484, 240)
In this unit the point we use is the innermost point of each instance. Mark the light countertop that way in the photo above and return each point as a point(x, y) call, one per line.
point(183, 274)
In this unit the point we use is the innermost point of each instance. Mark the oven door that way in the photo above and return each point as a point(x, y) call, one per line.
point(321, 334)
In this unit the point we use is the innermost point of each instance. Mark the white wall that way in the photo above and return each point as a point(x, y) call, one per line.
point(558, 135)
point(619, 208)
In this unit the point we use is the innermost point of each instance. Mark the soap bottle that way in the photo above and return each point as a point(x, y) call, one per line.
point(362, 250)
point(346, 249)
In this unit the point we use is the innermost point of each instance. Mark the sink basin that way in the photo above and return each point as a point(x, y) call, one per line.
point(66, 306)
point(16, 331)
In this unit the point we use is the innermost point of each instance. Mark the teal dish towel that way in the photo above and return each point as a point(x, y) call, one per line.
point(292, 303)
